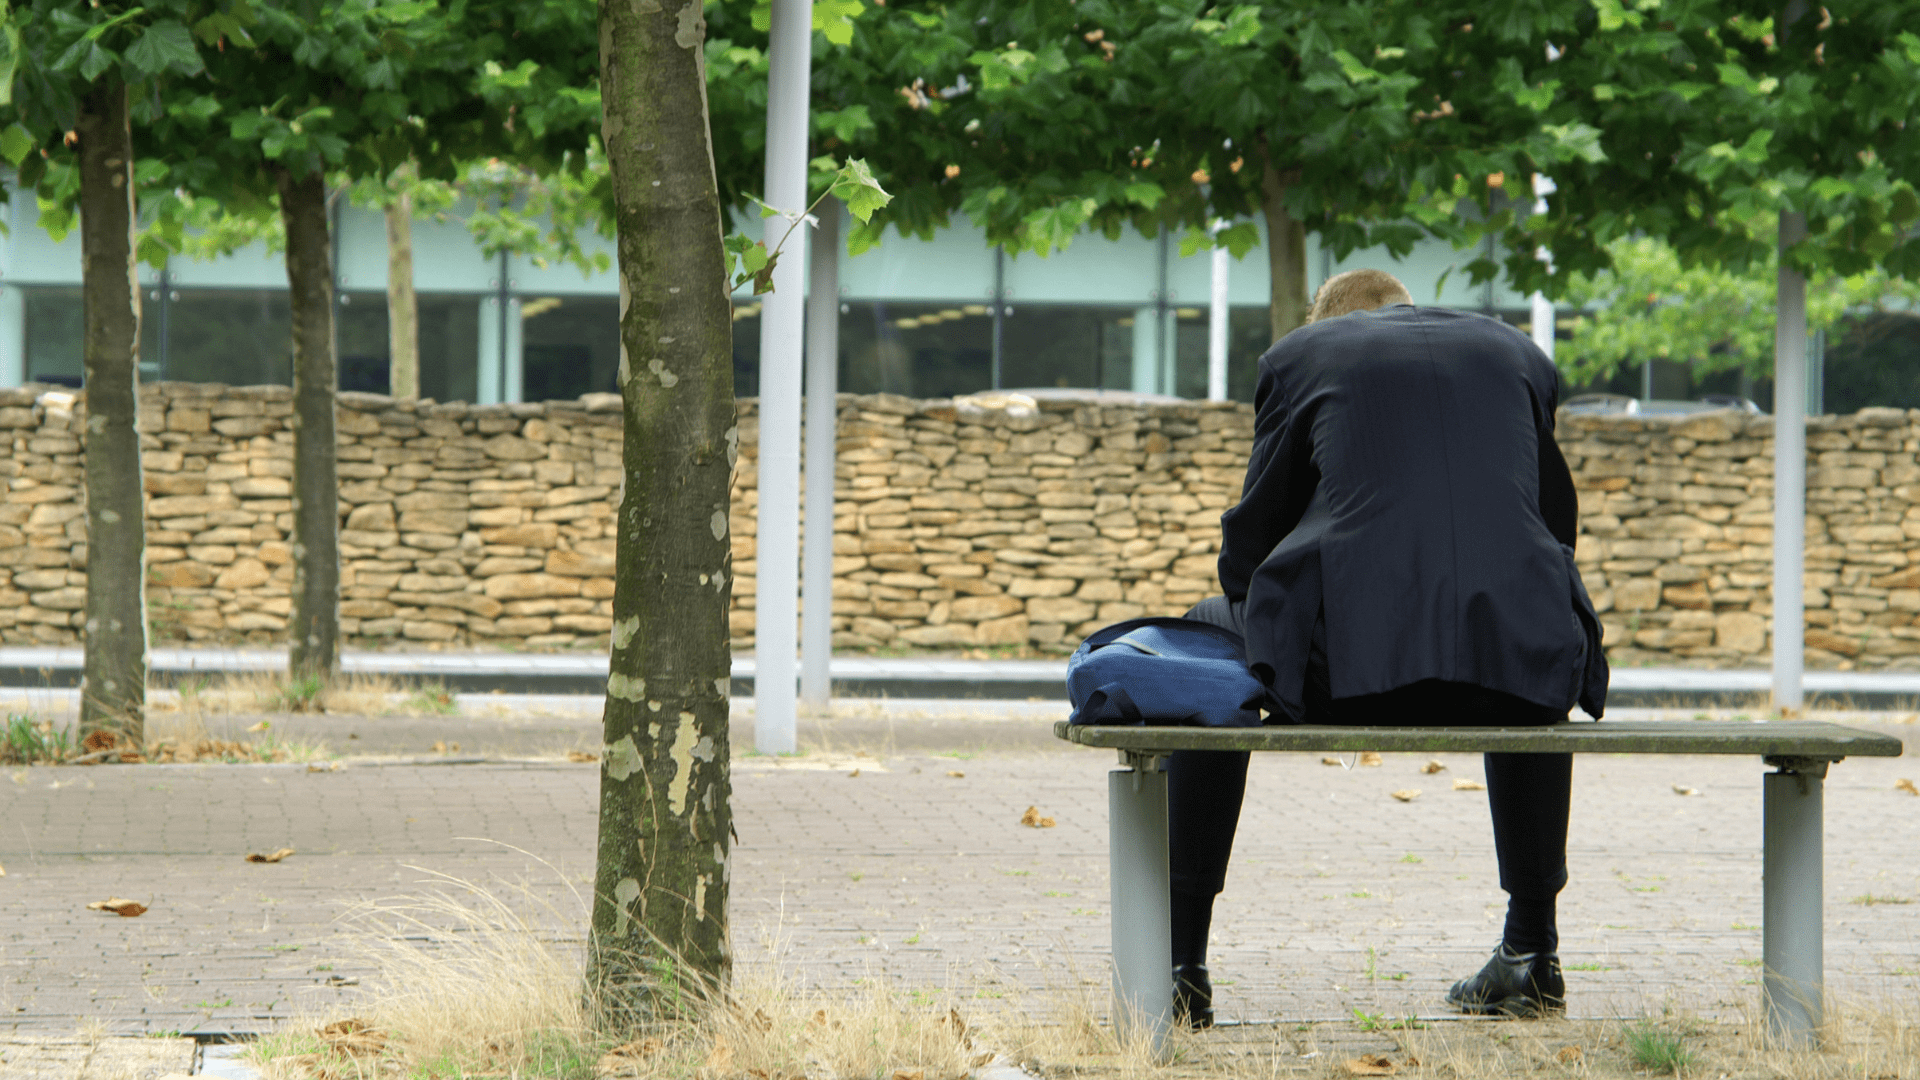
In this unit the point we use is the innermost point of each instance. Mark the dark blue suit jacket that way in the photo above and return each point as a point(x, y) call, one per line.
point(1405, 490)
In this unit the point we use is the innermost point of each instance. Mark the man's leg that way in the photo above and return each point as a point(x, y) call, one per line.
point(1529, 796)
point(1204, 791)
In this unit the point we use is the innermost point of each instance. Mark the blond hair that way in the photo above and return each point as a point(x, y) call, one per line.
point(1357, 290)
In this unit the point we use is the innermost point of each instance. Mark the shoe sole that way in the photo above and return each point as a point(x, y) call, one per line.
point(1519, 1007)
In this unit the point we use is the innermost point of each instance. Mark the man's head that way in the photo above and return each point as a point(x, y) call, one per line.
point(1357, 290)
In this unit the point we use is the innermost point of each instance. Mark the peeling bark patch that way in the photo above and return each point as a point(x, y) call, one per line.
point(733, 446)
point(719, 524)
point(700, 898)
point(693, 28)
point(624, 894)
point(682, 755)
point(723, 686)
point(646, 7)
point(109, 517)
point(624, 630)
point(622, 758)
point(704, 748)
point(626, 687)
point(667, 378)
point(719, 580)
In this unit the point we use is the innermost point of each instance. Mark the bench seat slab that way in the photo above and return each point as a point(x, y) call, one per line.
point(1773, 739)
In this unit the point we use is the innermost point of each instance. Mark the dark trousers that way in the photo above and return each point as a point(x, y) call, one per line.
point(1528, 794)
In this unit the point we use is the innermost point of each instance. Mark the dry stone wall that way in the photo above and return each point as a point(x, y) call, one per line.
point(958, 524)
point(1677, 531)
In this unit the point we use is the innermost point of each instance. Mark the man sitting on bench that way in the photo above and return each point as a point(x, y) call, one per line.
point(1402, 555)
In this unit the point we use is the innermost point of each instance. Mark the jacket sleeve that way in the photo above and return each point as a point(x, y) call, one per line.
point(1558, 503)
point(1281, 480)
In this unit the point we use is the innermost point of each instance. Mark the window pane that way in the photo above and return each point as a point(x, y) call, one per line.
point(449, 346)
point(920, 350)
point(1055, 345)
point(53, 332)
point(361, 341)
point(241, 337)
point(569, 345)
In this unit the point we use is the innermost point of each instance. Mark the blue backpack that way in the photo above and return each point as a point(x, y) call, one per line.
point(1164, 672)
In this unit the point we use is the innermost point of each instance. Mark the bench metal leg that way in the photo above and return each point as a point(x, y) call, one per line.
point(1791, 880)
point(1142, 919)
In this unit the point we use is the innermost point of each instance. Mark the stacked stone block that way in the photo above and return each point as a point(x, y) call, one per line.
point(958, 524)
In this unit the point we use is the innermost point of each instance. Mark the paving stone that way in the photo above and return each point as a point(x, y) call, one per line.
point(1340, 898)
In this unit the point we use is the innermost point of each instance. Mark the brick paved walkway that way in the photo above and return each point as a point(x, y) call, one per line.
point(1340, 897)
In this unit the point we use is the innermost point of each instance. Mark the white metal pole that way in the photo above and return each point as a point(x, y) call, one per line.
point(1789, 471)
point(1217, 326)
point(1542, 307)
point(1793, 976)
point(777, 541)
point(823, 376)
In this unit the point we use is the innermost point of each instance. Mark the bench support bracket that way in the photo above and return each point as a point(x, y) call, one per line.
point(1791, 946)
point(1140, 902)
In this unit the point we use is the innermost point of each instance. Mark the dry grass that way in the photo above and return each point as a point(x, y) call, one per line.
point(277, 692)
point(470, 983)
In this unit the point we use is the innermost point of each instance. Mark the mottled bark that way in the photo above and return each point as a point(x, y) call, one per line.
point(659, 937)
point(313, 633)
point(403, 311)
point(113, 695)
point(1287, 302)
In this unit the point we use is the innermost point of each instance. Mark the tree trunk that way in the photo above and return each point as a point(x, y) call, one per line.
point(314, 631)
point(403, 311)
point(113, 695)
point(659, 937)
point(1286, 255)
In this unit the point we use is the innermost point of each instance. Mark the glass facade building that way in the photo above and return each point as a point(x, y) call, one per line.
point(919, 318)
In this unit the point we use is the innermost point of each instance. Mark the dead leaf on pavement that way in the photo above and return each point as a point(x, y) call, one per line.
point(1569, 1054)
point(956, 774)
point(353, 1037)
point(3, 871)
point(1371, 1065)
point(259, 727)
point(1329, 760)
point(119, 905)
point(1407, 794)
point(1680, 789)
point(274, 857)
point(1461, 783)
point(325, 766)
point(581, 755)
point(100, 739)
point(618, 1060)
point(1370, 759)
point(855, 772)
point(1432, 767)
point(1033, 820)
point(1903, 784)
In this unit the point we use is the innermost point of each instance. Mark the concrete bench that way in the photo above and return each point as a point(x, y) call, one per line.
point(1799, 753)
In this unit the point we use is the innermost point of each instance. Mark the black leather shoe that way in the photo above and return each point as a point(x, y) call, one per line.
point(1192, 996)
point(1513, 984)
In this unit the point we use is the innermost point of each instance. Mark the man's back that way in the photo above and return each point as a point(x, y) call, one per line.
point(1393, 512)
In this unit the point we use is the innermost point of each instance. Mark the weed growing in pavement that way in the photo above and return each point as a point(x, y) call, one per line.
point(1657, 1049)
point(31, 742)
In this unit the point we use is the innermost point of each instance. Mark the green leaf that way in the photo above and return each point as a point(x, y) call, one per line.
point(1904, 205)
point(1579, 139)
point(864, 237)
point(763, 277)
point(97, 29)
point(1145, 193)
point(834, 18)
point(16, 143)
point(1355, 71)
point(166, 45)
point(855, 185)
point(1194, 241)
point(98, 59)
point(1239, 239)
